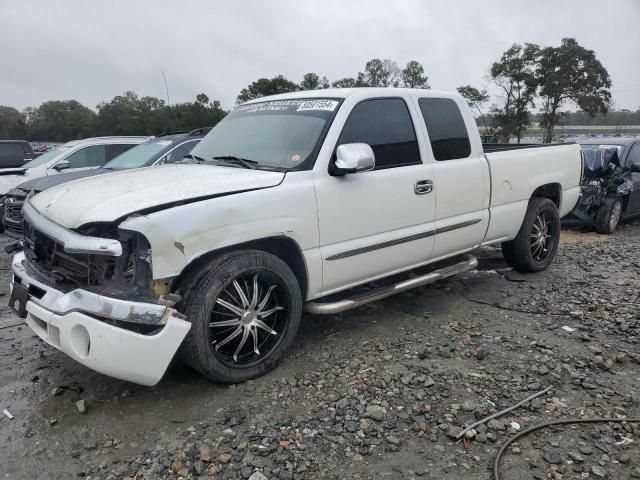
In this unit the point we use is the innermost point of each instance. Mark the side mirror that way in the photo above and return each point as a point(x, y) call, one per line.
point(352, 158)
point(635, 167)
point(62, 165)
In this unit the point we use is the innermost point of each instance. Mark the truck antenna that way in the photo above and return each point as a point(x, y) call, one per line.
point(166, 86)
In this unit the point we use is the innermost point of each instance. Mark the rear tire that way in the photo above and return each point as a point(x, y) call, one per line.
point(245, 310)
point(609, 215)
point(535, 246)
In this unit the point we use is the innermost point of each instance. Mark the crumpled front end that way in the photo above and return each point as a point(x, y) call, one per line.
point(602, 177)
point(93, 298)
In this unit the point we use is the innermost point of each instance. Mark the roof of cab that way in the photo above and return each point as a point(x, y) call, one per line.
point(345, 92)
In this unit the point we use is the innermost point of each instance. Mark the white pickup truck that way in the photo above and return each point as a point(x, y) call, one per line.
point(293, 202)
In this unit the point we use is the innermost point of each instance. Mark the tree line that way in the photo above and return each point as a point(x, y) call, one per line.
point(127, 114)
point(527, 77)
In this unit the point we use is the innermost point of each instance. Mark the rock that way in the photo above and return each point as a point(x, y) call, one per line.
point(205, 454)
point(452, 432)
point(224, 458)
point(495, 424)
point(358, 458)
point(393, 440)
point(576, 457)
point(82, 406)
point(492, 437)
point(258, 476)
point(470, 433)
point(553, 457)
point(624, 458)
point(585, 450)
point(598, 471)
point(57, 391)
point(375, 412)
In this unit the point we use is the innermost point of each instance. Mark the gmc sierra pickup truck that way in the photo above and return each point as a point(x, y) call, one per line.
point(318, 201)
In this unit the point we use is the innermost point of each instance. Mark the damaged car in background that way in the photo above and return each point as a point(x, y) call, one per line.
point(319, 201)
point(160, 150)
point(610, 183)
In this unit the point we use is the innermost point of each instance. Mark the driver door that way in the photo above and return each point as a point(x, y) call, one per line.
point(376, 222)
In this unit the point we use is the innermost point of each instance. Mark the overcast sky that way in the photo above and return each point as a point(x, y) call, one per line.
point(93, 50)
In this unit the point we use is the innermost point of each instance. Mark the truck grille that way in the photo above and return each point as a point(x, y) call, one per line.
point(48, 257)
point(13, 216)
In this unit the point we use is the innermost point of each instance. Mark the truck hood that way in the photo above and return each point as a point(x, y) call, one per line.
point(41, 184)
point(106, 198)
point(11, 177)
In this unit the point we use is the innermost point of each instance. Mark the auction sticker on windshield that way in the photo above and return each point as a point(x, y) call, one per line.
point(290, 105)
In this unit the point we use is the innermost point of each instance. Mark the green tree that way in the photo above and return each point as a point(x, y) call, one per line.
point(312, 81)
point(413, 76)
point(59, 121)
point(125, 114)
point(514, 75)
point(476, 100)
point(570, 74)
point(264, 87)
point(12, 123)
point(379, 73)
point(347, 82)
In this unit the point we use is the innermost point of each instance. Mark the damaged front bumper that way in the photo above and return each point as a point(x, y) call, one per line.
point(91, 328)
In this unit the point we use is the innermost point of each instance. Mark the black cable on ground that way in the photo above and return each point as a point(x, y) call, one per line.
point(496, 464)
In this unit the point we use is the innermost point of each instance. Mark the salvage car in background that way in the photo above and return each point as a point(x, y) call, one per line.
point(610, 183)
point(15, 153)
point(291, 202)
point(168, 148)
point(78, 154)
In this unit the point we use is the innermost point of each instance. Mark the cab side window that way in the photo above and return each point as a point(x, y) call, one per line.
point(93, 156)
point(385, 125)
point(445, 126)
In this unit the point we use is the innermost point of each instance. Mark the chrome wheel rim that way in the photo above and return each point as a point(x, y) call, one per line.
point(247, 319)
point(616, 211)
point(541, 237)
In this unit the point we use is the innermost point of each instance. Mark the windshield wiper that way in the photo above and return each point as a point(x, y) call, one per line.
point(246, 163)
point(194, 157)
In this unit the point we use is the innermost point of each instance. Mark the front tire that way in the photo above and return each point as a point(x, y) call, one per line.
point(245, 310)
point(536, 244)
point(609, 215)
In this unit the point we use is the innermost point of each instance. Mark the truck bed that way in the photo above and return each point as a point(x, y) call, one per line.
point(501, 147)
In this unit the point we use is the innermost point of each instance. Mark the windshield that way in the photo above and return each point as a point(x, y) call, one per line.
point(139, 155)
point(45, 157)
point(280, 134)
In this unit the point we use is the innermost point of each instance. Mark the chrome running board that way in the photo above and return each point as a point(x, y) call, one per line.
point(323, 308)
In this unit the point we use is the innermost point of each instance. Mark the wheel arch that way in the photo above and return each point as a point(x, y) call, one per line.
point(552, 191)
point(283, 247)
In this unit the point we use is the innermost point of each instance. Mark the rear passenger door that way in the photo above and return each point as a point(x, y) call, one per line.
point(372, 223)
point(461, 175)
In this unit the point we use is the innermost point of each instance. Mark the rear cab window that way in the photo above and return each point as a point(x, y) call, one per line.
point(446, 128)
point(385, 125)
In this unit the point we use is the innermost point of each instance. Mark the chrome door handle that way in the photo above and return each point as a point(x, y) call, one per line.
point(420, 187)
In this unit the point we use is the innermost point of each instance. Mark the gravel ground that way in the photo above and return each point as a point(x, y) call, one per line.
point(377, 392)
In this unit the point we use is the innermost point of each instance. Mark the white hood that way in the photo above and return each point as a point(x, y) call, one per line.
point(12, 177)
point(109, 197)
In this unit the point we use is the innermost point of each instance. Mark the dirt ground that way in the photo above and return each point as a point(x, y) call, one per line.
point(377, 392)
